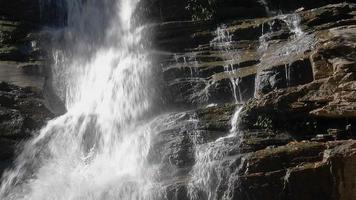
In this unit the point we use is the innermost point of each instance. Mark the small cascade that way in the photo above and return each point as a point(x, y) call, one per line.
point(206, 174)
point(293, 23)
point(234, 129)
point(187, 61)
point(283, 53)
point(207, 171)
point(199, 86)
point(223, 43)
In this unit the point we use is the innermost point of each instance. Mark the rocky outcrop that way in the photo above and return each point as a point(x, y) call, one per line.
point(297, 125)
point(327, 98)
point(299, 170)
point(199, 64)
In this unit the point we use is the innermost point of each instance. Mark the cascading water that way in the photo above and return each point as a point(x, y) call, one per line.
point(98, 149)
point(206, 173)
point(284, 53)
point(293, 23)
point(222, 42)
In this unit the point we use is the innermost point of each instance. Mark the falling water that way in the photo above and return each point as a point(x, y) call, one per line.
point(223, 42)
point(293, 23)
point(206, 174)
point(284, 53)
point(97, 150)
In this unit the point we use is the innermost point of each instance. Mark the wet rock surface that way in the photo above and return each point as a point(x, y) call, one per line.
point(201, 58)
point(24, 45)
point(22, 113)
point(296, 129)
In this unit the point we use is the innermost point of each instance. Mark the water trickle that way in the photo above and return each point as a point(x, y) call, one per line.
point(206, 174)
point(285, 52)
point(199, 87)
point(187, 61)
point(223, 43)
point(98, 149)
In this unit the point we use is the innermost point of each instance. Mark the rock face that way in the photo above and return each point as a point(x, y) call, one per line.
point(299, 170)
point(296, 75)
point(22, 113)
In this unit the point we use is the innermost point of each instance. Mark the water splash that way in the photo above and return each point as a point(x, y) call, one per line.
point(98, 149)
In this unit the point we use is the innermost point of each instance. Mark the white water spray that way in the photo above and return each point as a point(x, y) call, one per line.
point(97, 150)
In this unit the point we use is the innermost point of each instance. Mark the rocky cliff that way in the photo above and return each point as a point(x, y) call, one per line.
point(293, 72)
point(291, 64)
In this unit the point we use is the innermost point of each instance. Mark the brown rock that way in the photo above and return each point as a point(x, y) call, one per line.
point(321, 67)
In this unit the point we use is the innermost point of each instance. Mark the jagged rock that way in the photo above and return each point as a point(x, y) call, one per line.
point(299, 170)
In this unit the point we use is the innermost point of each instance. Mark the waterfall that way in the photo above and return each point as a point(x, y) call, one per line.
point(98, 149)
